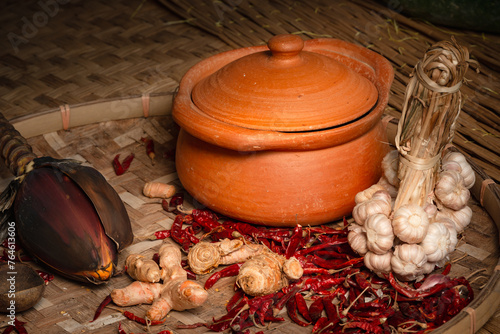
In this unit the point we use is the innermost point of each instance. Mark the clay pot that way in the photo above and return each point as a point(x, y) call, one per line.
point(283, 134)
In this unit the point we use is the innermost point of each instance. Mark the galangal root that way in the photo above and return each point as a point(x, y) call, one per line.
point(262, 272)
point(267, 273)
point(206, 256)
point(175, 293)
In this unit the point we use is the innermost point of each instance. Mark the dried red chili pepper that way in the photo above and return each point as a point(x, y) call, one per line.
point(308, 250)
point(165, 331)
point(329, 264)
point(19, 326)
point(235, 298)
point(177, 234)
point(326, 230)
point(291, 308)
point(190, 275)
point(122, 167)
point(175, 201)
point(242, 322)
point(120, 329)
point(234, 311)
point(315, 310)
point(282, 301)
point(229, 271)
point(294, 242)
point(220, 326)
point(206, 218)
point(419, 294)
point(302, 307)
point(101, 307)
point(117, 166)
point(321, 283)
point(142, 321)
point(315, 270)
point(8, 329)
point(47, 277)
point(446, 269)
point(271, 318)
point(367, 326)
point(265, 308)
point(330, 310)
point(150, 148)
point(320, 324)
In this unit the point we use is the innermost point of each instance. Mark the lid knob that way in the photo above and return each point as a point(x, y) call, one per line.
point(285, 46)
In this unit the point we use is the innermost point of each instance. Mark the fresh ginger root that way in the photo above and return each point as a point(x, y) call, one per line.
point(142, 269)
point(137, 293)
point(206, 256)
point(267, 273)
point(175, 293)
point(170, 263)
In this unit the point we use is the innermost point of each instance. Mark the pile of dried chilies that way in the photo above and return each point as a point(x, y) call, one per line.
point(337, 293)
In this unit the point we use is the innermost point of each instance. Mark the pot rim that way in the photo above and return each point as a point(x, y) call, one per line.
point(367, 63)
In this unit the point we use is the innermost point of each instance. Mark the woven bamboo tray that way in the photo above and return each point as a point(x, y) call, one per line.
point(95, 137)
point(111, 54)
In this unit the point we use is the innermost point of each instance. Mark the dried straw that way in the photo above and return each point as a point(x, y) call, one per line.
point(431, 108)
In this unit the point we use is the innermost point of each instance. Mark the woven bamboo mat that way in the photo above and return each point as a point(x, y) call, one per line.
point(400, 39)
point(84, 51)
point(67, 307)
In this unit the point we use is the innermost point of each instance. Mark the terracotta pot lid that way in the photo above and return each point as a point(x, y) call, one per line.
point(285, 89)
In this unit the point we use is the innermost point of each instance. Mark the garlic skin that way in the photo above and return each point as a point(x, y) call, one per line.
point(410, 223)
point(392, 190)
point(367, 194)
point(379, 235)
point(408, 262)
point(450, 190)
point(465, 171)
point(390, 166)
point(357, 239)
point(378, 263)
point(379, 203)
point(436, 243)
point(431, 211)
point(461, 218)
point(428, 268)
point(450, 225)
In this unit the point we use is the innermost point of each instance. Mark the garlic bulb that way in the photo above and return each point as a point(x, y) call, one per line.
point(379, 203)
point(428, 268)
point(408, 262)
point(390, 165)
point(450, 225)
point(437, 242)
point(461, 218)
point(366, 194)
point(450, 190)
point(410, 223)
point(357, 239)
point(392, 190)
point(378, 263)
point(466, 170)
point(431, 211)
point(379, 235)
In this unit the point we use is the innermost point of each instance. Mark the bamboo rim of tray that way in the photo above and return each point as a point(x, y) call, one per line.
point(485, 190)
